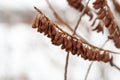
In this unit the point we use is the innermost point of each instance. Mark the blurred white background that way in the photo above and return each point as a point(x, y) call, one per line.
point(26, 54)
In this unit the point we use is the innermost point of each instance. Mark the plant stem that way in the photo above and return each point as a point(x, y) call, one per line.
point(66, 66)
point(89, 68)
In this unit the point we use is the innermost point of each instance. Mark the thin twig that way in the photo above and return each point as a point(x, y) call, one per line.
point(105, 43)
point(57, 16)
point(89, 68)
point(66, 66)
point(113, 64)
point(79, 20)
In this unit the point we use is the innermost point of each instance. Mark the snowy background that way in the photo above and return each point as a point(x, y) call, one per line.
point(26, 54)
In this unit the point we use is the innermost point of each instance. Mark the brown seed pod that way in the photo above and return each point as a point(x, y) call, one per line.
point(57, 39)
point(64, 42)
point(107, 21)
point(74, 48)
point(35, 25)
point(68, 45)
point(76, 4)
point(78, 46)
point(99, 4)
point(102, 15)
point(99, 28)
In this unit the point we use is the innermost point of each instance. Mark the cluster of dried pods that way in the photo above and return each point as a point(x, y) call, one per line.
point(105, 17)
point(68, 42)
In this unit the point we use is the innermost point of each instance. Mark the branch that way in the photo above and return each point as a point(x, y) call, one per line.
point(89, 68)
point(79, 20)
point(113, 64)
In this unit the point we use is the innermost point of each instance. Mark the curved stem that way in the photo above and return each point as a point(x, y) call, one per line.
point(105, 43)
point(89, 68)
point(113, 64)
point(66, 66)
point(79, 20)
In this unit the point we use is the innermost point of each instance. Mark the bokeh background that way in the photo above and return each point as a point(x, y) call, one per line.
point(26, 54)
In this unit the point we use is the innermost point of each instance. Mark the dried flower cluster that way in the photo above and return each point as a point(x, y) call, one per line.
point(68, 42)
point(105, 17)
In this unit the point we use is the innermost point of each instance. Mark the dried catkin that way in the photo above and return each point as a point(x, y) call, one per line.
point(67, 42)
point(106, 18)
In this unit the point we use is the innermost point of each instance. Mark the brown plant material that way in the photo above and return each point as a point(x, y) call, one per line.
point(67, 42)
point(106, 18)
point(99, 28)
point(104, 15)
point(74, 33)
point(116, 5)
point(78, 5)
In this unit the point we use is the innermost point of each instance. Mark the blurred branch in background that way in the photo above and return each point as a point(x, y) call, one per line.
point(11, 16)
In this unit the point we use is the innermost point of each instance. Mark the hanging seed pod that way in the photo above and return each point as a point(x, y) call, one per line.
point(99, 4)
point(74, 48)
point(64, 42)
point(89, 13)
point(58, 39)
point(77, 4)
point(36, 20)
point(100, 11)
point(107, 21)
point(105, 56)
point(93, 55)
point(102, 15)
point(54, 31)
point(68, 45)
point(99, 28)
point(78, 46)
point(89, 53)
